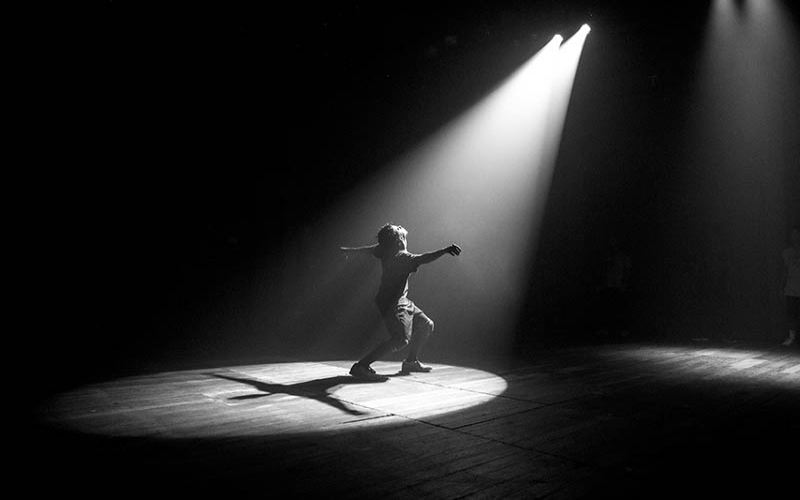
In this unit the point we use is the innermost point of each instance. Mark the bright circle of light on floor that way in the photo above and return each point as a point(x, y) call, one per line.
point(266, 399)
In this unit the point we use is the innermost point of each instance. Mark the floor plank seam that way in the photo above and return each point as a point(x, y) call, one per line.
point(504, 443)
point(483, 438)
point(445, 386)
point(467, 467)
point(494, 395)
point(504, 415)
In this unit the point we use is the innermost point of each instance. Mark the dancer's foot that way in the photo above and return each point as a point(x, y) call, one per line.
point(364, 372)
point(414, 367)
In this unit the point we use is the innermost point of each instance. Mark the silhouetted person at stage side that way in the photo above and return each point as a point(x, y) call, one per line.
point(791, 262)
point(612, 294)
point(407, 325)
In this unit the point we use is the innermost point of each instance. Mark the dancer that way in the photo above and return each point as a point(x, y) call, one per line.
point(407, 325)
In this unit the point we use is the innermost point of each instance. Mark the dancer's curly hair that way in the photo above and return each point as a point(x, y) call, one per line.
point(388, 239)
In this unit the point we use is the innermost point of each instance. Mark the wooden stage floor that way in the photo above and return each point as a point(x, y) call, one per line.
point(612, 420)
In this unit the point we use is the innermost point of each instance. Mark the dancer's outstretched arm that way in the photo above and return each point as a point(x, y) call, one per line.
point(368, 250)
point(429, 257)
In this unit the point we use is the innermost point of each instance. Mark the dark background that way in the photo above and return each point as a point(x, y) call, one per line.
point(180, 147)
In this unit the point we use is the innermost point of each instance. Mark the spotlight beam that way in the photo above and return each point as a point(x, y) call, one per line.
point(481, 180)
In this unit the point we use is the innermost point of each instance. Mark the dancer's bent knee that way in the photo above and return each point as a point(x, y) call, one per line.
point(398, 344)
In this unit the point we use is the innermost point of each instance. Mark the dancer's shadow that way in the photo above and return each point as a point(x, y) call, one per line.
point(319, 390)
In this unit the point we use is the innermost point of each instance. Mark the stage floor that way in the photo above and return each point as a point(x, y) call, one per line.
point(623, 420)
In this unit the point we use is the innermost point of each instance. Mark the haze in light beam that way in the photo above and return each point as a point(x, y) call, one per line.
point(482, 182)
point(743, 148)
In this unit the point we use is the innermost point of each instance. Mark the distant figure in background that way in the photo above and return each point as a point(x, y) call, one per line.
point(612, 300)
point(791, 262)
point(713, 272)
point(407, 325)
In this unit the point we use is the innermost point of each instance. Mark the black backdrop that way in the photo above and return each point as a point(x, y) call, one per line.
point(176, 147)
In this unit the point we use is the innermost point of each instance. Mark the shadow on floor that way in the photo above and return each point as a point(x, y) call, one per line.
point(321, 390)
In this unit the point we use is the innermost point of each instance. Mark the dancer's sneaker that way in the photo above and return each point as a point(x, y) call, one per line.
point(414, 367)
point(366, 373)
